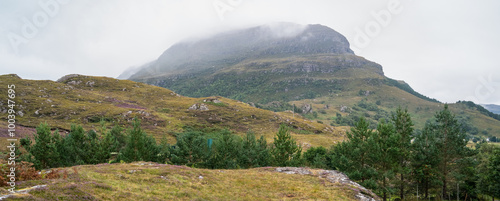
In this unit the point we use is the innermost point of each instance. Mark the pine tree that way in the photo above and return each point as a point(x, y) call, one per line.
point(249, 151)
point(61, 149)
point(451, 143)
point(263, 153)
point(384, 153)
point(77, 146)
point(44, 150)
point(488, 170)
point(139, 146)
point(493, 174)
point(285, 151)
point(110, 144)
point(95, 151)
point(191, 149)
point(227, 149)
point(425, 159)
point(316, 157)
point(164, 154)
point(404, 128)
point(357, 150)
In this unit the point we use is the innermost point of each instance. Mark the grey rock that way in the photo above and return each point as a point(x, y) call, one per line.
point(344, 108)
point(294, 170)
point(203, 107)
point(193, 107)
point(197, 106)
point(306, 109)
point(334, 177)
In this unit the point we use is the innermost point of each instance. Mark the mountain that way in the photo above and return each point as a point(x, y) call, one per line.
point(306, 68)
point(492, 108)
point(273, 40)
point(129, 72)
point(86, 100)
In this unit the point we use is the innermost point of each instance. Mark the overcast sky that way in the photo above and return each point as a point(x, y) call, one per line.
point(448, 50)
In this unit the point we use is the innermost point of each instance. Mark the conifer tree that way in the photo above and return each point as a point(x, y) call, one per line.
point(403, 126)
point(451, 143)
point(191, 149)
point(316, 157)
point(110, 143)
point(384, 153)
point(285, 151)
point(164, 154)
point(263, 153)
point(254, 152)
point(44, 150)
point(139, 146)
point(76, 144)
point(488, 170)
point(249, 151)
point(357, 150)
point(425, 159)
point(227, 149)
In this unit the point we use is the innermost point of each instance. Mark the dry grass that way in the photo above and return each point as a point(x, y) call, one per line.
point(85, 100)
point(151, 181)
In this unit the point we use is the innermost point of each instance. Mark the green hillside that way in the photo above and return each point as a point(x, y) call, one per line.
point(333, 87)
point(86, 100)
point(354, 87)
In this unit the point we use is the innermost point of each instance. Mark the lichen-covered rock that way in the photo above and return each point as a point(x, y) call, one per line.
point(197, 106)
point(203, 107)
point(334, 177)
point(344, 108)
point(213, 100)
point(294, 170)
point(193, 107)
point(306, 109)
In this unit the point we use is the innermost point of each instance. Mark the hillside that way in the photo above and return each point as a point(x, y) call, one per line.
point(310, 70)
point(492, 108)
point(152, 181)
point(85, 100)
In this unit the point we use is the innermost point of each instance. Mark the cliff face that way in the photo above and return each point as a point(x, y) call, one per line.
point(275, 40)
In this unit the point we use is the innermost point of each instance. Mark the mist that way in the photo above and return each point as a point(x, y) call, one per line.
point(445, 50)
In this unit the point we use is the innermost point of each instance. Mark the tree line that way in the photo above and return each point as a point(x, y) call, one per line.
point(392, 159)
point(217, 149)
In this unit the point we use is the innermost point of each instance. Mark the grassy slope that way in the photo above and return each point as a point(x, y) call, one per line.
point(85, 100)
point(334, 80)
point(151, 181)
point(390, 98)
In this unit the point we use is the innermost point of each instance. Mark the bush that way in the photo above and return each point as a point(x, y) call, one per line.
point(316, 157)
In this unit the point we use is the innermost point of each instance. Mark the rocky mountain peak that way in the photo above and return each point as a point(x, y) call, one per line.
point(270, 40)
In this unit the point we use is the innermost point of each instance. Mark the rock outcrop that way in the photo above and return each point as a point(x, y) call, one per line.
point(334, 177)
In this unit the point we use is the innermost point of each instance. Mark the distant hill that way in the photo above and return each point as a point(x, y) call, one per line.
point(492, 108)
point(306, 68)
point(86, 100)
